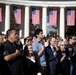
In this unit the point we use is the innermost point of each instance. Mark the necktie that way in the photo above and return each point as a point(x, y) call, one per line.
point(53, 49)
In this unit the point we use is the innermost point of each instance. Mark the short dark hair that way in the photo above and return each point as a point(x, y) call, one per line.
point(70, 37)
point(50, 38)
point(37, 31)
point(9, 31)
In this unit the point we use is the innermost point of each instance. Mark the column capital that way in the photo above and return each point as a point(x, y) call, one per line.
point(8, 4)
point(62, 7)
point(44, 6)
point(27, 5)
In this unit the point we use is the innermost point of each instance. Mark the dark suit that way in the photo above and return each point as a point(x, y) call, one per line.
point(51, 60)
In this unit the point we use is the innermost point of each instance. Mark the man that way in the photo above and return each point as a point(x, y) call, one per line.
point(11, 55)
point(51, 58)
point(71, 55)
point(39, 51)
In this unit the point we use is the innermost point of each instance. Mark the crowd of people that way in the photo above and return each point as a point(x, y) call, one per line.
point(37, 55)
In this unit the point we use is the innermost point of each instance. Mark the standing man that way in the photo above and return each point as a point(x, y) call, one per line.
point(71, 55)
point(51, 56)
point(12, 55)
point(39, 51)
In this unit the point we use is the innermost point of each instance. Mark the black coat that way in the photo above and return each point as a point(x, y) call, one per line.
point(29, 67)
point(64, 66)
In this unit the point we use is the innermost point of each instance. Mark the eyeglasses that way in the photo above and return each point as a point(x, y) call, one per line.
point(74, 38)
point(63, 45)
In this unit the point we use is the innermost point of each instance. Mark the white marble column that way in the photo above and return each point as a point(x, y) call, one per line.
point(20, 33)
point(62, 23)
point(44, 20)
point(26, 22)
point(7, 17)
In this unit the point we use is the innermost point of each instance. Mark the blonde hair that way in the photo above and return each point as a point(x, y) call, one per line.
point(60, 42)
point(1, 40)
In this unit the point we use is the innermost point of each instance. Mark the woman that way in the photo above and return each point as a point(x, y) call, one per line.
point(29, 62)
point(63, 64)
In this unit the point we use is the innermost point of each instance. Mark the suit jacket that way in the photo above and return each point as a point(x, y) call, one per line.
point(51, 60)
